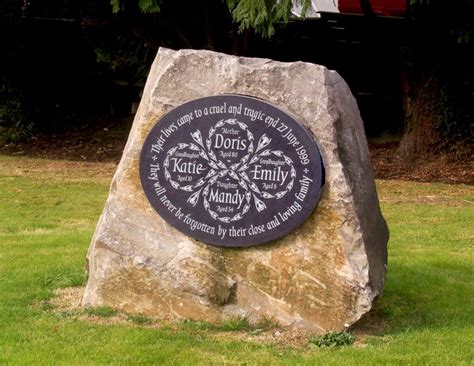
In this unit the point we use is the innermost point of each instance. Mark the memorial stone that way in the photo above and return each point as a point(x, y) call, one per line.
point(245, 189)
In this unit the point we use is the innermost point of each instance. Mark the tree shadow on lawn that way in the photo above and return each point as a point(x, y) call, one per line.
point(421, 296)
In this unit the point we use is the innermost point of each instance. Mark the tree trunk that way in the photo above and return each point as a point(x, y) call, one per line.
point(424, 106)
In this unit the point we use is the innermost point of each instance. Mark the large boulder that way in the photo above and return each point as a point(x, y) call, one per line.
point(322, 276)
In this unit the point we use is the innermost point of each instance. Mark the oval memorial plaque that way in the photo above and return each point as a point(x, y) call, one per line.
point(231, 170)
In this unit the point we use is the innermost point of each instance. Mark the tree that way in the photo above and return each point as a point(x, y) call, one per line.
point(438, 83)
point(262, 15)
point(259, 15)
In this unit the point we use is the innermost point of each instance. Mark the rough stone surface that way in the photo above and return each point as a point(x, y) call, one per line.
point(323, 276)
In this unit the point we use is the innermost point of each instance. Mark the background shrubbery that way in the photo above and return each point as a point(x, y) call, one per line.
point(67, 63)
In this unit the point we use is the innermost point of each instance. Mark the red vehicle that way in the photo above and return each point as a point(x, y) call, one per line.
point(396, 8)
point(393, 8)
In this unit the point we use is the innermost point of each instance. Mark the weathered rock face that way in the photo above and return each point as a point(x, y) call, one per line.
point(321, 277)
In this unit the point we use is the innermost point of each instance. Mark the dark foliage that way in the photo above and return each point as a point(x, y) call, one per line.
point(65, 61)
point(68, 61)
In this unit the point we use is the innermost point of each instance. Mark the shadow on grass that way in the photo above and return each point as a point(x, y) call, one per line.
point(423, 296)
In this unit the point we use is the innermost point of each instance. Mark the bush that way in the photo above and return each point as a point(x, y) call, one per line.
point(332, 339)
point(14, 124)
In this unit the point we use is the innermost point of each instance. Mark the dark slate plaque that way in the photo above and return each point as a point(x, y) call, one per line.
point(231, 170)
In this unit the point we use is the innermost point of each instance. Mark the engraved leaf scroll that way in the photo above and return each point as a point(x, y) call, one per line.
point(238, 172)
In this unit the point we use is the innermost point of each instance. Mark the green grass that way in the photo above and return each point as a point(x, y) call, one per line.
point(48, 212)
point(101, 311)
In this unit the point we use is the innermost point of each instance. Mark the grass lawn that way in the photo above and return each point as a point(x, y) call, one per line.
point(48, 212)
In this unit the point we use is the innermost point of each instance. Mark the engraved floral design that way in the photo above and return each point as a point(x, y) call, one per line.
point(237, 171)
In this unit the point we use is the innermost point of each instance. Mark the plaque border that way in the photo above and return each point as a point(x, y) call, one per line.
point(268, 236)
